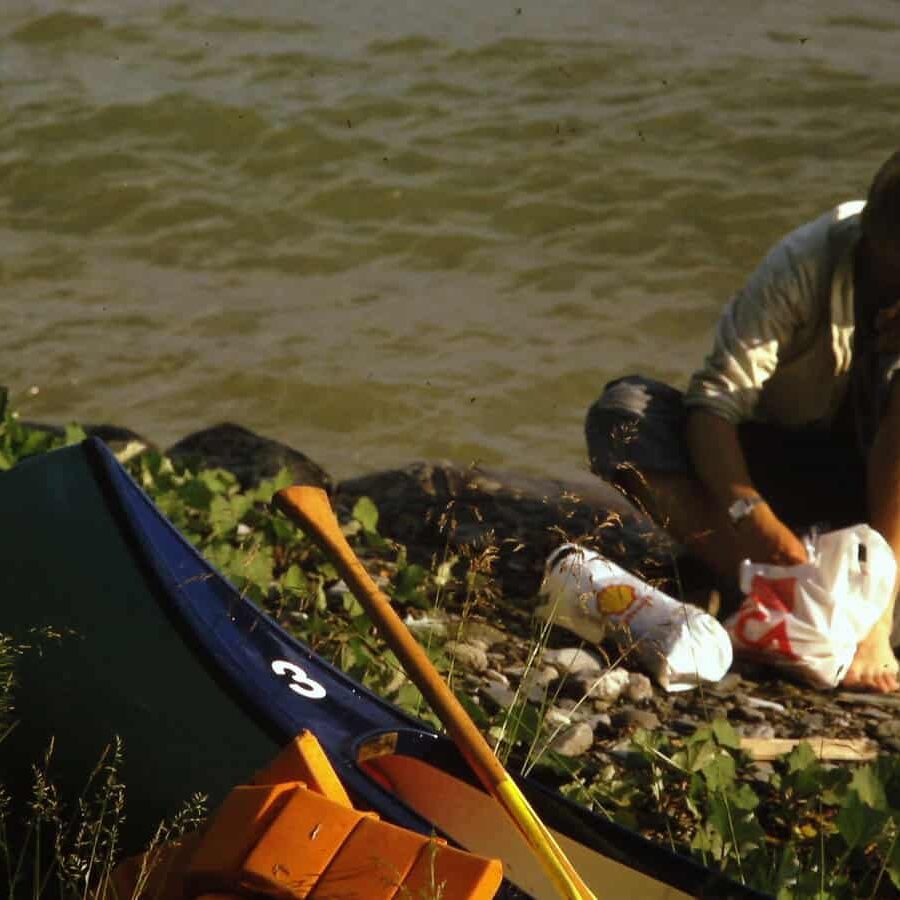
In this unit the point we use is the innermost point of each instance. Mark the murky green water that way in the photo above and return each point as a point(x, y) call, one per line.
point(387, 231)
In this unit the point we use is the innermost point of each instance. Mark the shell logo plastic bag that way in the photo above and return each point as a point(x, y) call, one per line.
point(809, 618)
point(679, 644)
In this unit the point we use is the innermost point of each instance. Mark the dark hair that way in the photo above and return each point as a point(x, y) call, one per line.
point(881, 215)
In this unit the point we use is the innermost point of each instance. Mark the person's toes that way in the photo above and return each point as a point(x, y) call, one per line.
point(871, 680)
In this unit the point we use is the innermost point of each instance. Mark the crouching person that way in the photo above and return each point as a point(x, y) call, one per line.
point(793, 420)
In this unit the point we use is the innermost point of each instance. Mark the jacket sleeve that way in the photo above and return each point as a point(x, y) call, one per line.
point(758, 327)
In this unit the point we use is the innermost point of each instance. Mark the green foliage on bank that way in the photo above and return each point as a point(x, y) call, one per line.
point(799, 828)
point(269, 561)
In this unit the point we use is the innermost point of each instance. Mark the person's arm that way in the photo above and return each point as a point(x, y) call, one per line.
point(722, 469)
point(758, 329)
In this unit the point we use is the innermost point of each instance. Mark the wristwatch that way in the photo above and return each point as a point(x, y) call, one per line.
point(742, 508)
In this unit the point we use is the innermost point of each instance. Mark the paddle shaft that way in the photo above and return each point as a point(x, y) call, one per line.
point(310, 509)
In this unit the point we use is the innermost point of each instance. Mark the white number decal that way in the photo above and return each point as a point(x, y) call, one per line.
point(300, 684)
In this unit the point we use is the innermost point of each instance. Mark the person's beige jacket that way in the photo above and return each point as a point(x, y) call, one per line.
point(784, 343)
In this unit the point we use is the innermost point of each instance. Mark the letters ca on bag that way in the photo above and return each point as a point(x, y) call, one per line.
point(770, 601)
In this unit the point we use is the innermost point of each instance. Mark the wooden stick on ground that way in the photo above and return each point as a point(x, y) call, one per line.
point(831, 749)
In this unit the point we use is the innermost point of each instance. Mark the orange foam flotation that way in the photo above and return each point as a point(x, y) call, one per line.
point(293, 833)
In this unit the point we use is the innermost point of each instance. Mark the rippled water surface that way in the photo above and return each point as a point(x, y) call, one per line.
point(385, 231)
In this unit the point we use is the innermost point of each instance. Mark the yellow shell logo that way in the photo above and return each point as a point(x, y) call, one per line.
point(615, 599)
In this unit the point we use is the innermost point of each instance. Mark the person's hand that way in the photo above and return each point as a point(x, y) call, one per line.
point(887, 328)
point(764, 538)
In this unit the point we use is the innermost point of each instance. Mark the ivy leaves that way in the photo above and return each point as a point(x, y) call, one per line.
point(805, 829)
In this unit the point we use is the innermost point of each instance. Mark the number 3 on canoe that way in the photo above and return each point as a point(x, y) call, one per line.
point(300, 683)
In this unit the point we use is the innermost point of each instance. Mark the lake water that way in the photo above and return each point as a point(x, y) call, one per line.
point(388, 231)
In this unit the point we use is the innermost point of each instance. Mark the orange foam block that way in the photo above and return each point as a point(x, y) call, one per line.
point(305, 760)
point(298, 846)
point(159, 872)
point(372, 863)
point(239, 823)
point(452, 874)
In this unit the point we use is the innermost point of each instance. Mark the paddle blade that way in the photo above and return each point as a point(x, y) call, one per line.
point(309, 508)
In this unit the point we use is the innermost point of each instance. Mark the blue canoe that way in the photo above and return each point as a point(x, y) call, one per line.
point(134, 634)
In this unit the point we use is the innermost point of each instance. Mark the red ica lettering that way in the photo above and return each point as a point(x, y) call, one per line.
point(768, 596)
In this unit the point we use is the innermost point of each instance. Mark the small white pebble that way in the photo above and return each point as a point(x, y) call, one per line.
point(609, 686)
point(639, 687)
point(574, 741)
point(759, 703)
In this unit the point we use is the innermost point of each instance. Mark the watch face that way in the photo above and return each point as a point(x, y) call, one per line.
point(741, 508)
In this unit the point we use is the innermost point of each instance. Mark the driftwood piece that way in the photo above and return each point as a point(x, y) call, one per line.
point(831, 749)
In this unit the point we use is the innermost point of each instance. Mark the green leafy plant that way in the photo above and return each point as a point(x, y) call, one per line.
point(19, 441)
point(810, 830)
point(803, 829)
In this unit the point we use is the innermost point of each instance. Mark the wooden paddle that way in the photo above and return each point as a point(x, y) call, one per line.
point(310, 510)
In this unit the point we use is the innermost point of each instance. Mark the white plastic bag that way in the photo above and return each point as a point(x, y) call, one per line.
point(809, 618)
point(679, 644)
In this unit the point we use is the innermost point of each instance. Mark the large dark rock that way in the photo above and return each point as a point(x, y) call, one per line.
point(118, 438)
point(430, 505)
point(248, 456)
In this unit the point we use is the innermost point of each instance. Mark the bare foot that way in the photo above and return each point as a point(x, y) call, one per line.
point(874, 667)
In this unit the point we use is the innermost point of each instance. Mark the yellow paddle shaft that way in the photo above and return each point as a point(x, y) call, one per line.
point(310, 509)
